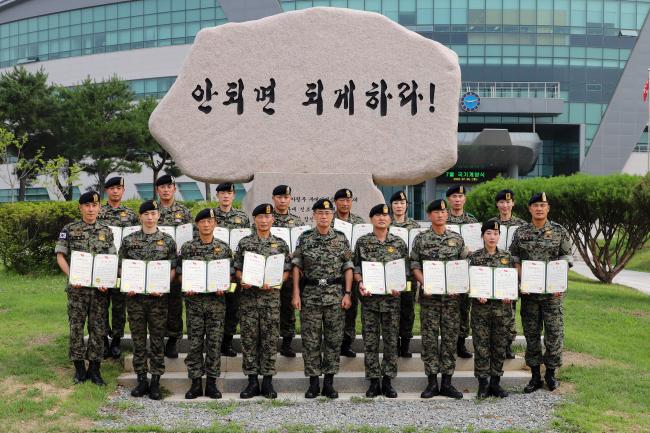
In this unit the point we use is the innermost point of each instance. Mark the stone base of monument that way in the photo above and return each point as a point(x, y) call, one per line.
point(290, 379)
point(307, 188)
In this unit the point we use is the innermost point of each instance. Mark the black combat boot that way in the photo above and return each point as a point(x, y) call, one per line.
point(107, 350)
point(211, 389)
point(79, 372)
point(483, 388)
point(509, 353)
point(346, 349)
point(226, 347)
point(171, 348)
point(432, 387)
point(404, 350)
point(314, 387)
point(374, 389)
point(387, 388)
point(116, 349)
point(328, 387)
point(93, 373)
point(551, 381)
point(267, 387)
point(535, 381)
point(154, 387)
point(447, 389)
point(196, 390)
point(286, 349)
point(252, 389)
point(495, 388)
point(461, 350)
point(142, 387)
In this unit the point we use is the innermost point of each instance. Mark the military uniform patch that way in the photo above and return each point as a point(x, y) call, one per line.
point(123, 214)
point(102, 237)
point(63, 235)
point(274, 245)
point(548, 234)
point(237, 220)
point(391, 249)
point(451, 242)
point(217, 250)
point(504, 261)
point(160, 242)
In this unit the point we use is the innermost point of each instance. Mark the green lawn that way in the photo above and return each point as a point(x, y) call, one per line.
point(641, 260)
point(606, 375)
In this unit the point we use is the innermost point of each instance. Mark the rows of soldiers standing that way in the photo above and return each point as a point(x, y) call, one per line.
point(324, 281)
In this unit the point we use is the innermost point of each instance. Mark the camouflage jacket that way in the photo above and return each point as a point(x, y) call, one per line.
point(233, 219)
point(370, 249)
point(322, 257)
point(550, 242)
point(409, 223)
point(429, 245)
point(120, 216)
point(286, 220)
point(465, 218)
point(94, 238)
point(197, 250)
point(174, 215)
point(352, 219)
point(500, 259)
point(513, 221)
point(266, 247)
point(155, 246)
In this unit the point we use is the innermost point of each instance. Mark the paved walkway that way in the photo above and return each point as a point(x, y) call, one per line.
point(637, 280)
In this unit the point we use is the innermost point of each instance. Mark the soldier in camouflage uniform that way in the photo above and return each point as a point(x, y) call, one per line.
point(457, 215)
point(379, 313)
point(542, 240)
point(399, 204)
point(438, 313)
point(230, 218)
point(205, 311)
point(505, 202)
point(113, 213)
point(85, 303)
point(172, 214)
point(260, 306)
point(324, 259)
point(490, 318)
point(148, 312)
point(343, 200)
point(283, 218)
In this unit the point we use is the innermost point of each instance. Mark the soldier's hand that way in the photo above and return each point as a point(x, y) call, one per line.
point(156, 294)
point(557, 294)
point(453, 295)
point(245, 286)
point(266, 288)
point(102, 289)
point(220, 293)
point(190, 293)
point(507, 301)
point(346, 302)
point(394, 293)
point(482, 300)
point(131, 294)
point(76, 286)
point(362, 290)
point(295, 302)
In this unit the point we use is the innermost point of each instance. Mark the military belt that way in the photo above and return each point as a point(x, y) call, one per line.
point(324, 281)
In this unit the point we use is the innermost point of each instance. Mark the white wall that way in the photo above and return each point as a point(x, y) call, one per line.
point(637, 163)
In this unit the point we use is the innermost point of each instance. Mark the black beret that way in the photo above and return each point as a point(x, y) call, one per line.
point(205, 213)
point(379, 209)
point(540, 196)
point(89, 197)
point(399, 195)
point(222, 187)
point(323, 204)
point(166, 179)
point(439, 204)
point(505, 194)
point(492, 224)
point(342, 193)
point(282, 190)
point(114, 181)
point(263, 209)
point(147, 206)
point(456, 189)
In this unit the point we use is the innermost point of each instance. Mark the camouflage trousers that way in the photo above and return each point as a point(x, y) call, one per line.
point(439, 315)
point(512, 323)
point(232, 312)
point(382, 322)
point(86, 304)
point(148, 314)
point(205, 313)
point(543, 312)
point(174, 327)
point(260, 330)
point(407, 313)
point(491, 336)
point(117, 301)
point(464, 307)
point(350, 327)
point(287, 313)
point(321, 326)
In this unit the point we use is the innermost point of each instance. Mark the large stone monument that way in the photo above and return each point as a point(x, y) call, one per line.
point(319, 99)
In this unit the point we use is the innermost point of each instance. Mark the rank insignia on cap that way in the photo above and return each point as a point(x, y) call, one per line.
point(508, 196)
point(461, 189)
point(288, 190)
point(326, 204)
point(544, 196)
point(391, 249)
point(348, 193)
point(155, 205)
point(402, 196)
point(211, 213)
point(268, 209)
point(96, 198)
point(385, 209)
point(504, 261)
point(102, 237)
point(160, 242)
point(442, 205)
point(496, 225)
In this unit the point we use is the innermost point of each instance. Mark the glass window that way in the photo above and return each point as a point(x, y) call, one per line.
point(164, 32)
point(178, 31)
point(111, 12)
point(150, 6)
point(137, 8)
point(52, 21)
point(164, 5)
point(75, 17)
point(178, 17)
point(137, 35)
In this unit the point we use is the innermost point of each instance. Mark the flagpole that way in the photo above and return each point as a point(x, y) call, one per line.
point(647, 148)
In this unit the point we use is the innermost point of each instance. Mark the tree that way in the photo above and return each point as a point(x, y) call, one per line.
point(27, 107)
point(151, 153)
point(15, 167)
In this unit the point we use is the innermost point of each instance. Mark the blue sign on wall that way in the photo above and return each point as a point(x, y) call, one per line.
point(470, 101)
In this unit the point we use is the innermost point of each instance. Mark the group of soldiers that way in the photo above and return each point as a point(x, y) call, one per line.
point(323, 279)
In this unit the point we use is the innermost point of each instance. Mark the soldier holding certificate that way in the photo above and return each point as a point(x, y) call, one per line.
point(323, 256)
point(230, 218)
point(148, 312)
point(205, 311)
point(86, 303)
point(260, 303)
point(541, 240)
point(114, 213)
point(399, 204)
point(490, 318)
point(439, 314)
point(379, 312)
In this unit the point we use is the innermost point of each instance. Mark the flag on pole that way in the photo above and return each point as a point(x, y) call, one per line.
point(645, 90)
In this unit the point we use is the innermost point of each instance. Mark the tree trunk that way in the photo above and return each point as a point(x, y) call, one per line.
point(22, 187)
